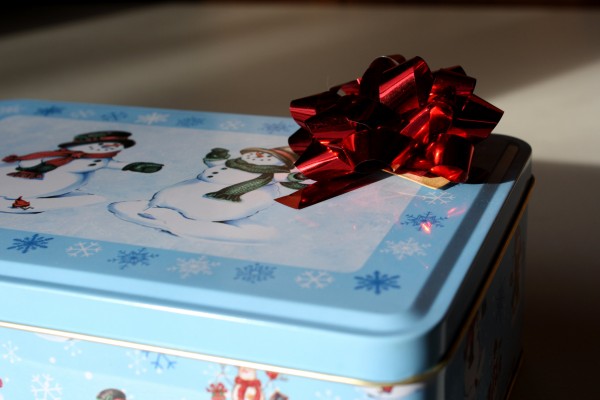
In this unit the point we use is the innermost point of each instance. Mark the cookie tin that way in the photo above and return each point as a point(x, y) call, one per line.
point(144, 256)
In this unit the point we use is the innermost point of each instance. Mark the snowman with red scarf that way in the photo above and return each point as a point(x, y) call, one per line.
point(52, 179)
point(247, 386)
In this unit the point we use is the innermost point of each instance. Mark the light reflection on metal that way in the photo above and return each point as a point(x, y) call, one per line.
point(426, 227)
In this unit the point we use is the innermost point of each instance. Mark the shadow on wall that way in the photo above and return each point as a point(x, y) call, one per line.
point(29, 15)
point(204, 55)
point(562, 298)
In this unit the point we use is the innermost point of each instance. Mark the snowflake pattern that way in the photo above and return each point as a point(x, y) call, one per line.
point(152, 118)
point(10, 109)
point(10, 354)
point(377, 282)
point(48, 111)
point(82, 114)
point(114, 116)
point(424, 222)
point(254, 273)
point(83, 249)
point(140, 359)
point(277, 127)
point(314, 279)
point(231, 125)
point(402, 249)
point(133, 258)
point(193, 266)
point(72, 348)
point(30, 243)
point(190, 122)
point(438, 197)
point(159, 361)
point(137, 361)
point(218, 372)
point(44, 387)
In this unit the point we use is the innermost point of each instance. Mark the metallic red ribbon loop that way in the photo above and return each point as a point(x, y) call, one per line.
point(398, 117)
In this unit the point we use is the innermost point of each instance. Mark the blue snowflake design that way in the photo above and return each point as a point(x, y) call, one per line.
point(190, 122)
point(82, 114)
point(114, 116)
point(277, 127)
point(133, 258)
point(159, 361)
point(377, 282)
point(254, 273)
point(424, 221)
point(51, 110)
point(30, 243)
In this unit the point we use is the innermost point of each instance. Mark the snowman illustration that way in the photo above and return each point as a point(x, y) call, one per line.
point(111, 394)
point(47, 180)
point(247, 386)
point(219, 202)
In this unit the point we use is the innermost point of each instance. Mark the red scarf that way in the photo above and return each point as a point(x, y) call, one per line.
point(245, 384)
point(61, 157)
point(64, 156)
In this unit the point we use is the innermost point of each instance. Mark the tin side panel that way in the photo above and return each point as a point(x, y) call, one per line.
point(487, 361)
point(52, 367)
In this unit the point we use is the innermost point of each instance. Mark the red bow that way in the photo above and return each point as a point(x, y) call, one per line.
point(399, 117)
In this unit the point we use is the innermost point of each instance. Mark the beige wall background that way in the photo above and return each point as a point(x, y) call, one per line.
point(537, 60)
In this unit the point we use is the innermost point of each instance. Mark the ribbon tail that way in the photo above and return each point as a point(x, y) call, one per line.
point(326, 189)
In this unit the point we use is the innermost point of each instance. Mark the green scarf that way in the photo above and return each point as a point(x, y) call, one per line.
point(236, 191)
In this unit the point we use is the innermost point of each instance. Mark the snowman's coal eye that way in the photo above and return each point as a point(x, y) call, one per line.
point(223, 169)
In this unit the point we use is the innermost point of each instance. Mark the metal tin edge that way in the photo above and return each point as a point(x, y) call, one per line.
point(308, 374)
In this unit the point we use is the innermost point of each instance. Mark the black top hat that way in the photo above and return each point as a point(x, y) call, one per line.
point(99, 137)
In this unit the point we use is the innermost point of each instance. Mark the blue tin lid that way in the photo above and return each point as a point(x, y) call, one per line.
point(120, 242)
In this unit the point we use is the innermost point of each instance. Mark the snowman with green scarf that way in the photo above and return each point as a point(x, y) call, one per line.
point(217, 204)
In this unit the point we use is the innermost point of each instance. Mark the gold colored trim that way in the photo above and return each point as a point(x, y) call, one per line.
point(489, 279)
point(173, 352)
point(513, 378)
point(301, 373)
